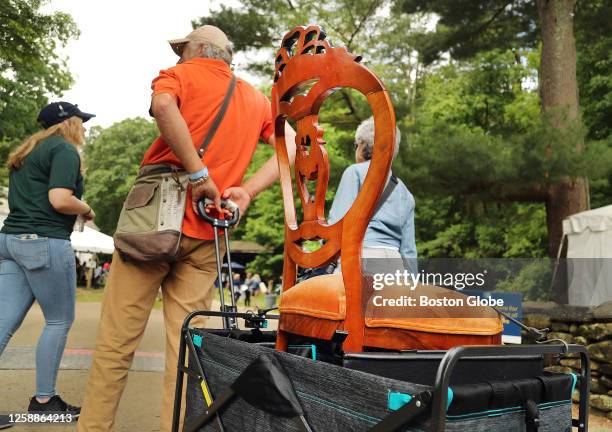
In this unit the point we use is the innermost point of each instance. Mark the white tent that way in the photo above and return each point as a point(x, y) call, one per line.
point(589, 253)
point(90, 240)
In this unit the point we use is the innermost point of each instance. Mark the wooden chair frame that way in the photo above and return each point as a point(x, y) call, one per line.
point(307, 63)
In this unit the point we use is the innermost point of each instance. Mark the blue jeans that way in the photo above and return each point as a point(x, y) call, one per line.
point(41, 269)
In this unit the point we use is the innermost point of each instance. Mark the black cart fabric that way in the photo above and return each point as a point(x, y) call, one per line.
point(340, 399)
point(421, 366)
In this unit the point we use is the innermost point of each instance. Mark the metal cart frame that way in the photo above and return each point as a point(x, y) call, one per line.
point(435, 401)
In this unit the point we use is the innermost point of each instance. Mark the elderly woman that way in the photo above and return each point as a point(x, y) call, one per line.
point(390, 233)
point(36, 259)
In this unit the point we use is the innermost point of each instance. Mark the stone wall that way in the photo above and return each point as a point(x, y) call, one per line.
point(591, 327)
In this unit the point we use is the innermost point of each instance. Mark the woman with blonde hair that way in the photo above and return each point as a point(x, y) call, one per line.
point(36, 258)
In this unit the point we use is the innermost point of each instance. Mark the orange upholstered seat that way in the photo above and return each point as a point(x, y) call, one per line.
point(317, 308)
point(319, 297)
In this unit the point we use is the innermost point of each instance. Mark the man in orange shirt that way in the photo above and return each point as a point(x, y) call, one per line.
point(185, 101)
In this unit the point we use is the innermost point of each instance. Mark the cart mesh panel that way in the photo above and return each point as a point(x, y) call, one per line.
point(333, 398)
point(554, 419)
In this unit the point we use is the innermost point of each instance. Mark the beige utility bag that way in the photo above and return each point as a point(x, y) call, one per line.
point(151, 220)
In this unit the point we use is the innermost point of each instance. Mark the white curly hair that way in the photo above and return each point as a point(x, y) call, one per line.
point(214, 52)
point(364, 137)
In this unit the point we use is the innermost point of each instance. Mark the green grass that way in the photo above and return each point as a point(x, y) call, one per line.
point(256, 301)
point(89, 295)
point(95, 296)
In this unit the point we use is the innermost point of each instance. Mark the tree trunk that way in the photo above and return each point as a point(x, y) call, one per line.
point(559, 96)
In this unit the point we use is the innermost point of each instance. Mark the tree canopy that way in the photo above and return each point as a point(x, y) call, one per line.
point(466, 91)
point(466, 27)
point(112, 159)
point(483, 141)
point(31, 66)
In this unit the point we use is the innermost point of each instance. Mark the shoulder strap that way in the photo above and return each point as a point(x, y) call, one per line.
point(219, 117)
point(387, 192)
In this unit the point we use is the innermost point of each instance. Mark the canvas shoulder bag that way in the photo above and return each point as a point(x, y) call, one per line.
point(151, 220)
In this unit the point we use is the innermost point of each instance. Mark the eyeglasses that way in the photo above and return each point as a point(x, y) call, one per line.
point(181, 48)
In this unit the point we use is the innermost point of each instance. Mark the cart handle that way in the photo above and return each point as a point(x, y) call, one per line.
point(219, 223)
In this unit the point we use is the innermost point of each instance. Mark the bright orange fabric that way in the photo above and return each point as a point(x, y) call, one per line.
point(199, 86)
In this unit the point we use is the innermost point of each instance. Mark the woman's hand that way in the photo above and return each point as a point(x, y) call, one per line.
point(63, 201)
point(90, 215)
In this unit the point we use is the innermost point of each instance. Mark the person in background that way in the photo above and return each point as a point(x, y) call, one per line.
point(37, 262)
point(237, 279)
point(244, 289)
point(247, 290)
point(79, 268)
point(390, 232)
point(97, 277)
point(104, 275)
point(90, 268)
point(254, 284)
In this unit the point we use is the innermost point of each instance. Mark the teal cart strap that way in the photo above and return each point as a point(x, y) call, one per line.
point(396, 400)
point(449, 398)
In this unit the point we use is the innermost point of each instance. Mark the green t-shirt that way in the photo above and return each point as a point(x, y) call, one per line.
point(54, 163)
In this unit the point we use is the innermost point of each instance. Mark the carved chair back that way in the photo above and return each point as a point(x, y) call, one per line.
point(307, 70)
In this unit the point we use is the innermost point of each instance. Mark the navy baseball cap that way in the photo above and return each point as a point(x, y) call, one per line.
point(57, 112)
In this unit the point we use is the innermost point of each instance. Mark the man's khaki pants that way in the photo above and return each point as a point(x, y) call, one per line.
point(129, 297)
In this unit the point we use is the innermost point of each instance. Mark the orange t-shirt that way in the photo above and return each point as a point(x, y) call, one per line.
point(199, 86)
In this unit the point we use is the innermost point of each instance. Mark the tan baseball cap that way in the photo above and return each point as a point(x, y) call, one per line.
point(207, 33)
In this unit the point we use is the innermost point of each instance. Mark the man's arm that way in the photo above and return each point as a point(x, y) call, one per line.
point(264, 177)
point(176, 134)
point(268, 173)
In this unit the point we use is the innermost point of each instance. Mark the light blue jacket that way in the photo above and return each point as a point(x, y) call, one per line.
point(392, 225)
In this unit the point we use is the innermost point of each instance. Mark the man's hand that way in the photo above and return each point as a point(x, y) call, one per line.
point(208, 190)
point(240, 196)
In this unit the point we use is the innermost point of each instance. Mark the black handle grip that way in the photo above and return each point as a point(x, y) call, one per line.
point(219, 223)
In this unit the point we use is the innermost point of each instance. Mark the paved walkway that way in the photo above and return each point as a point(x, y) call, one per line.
point(139, 408)
point(21, 353)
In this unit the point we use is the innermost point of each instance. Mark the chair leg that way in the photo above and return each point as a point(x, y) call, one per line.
point(356, 336)
point(282, 341)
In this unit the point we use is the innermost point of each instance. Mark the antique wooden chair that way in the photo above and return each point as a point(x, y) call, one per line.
point(309, 69)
